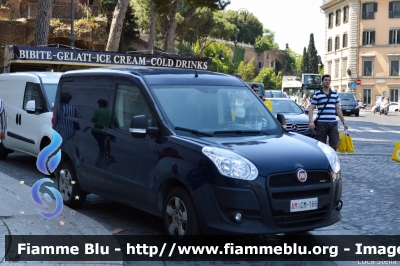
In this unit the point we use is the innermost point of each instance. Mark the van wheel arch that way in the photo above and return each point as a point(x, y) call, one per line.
point(164, 189)
point(44, 143)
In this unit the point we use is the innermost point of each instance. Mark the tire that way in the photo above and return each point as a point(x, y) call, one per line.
point(72, 194)
point(358, 114)
point(3, 152)
point(177, 205)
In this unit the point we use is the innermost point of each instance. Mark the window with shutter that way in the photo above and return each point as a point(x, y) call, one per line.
point(329, 44)
point(394, 68)
point(338, 17)
point(337, 43)
point(394, 36)
point(330, 20)
point(367, 68)
point(368, 37)
point(344, 44)
point(345, 14)
point(396, 9)
point(368, 10)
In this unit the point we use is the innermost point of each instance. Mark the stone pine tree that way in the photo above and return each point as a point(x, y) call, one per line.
point(305, 62)
point(114, 36)
point(312, 56)
point(43, 22)
point(152, 26)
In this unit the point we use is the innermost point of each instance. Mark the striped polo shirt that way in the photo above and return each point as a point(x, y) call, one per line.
point(329, 113)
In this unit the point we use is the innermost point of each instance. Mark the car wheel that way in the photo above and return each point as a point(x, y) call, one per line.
point(68, 185)
point(180, 214)
point(358, 114)
point(3, 152)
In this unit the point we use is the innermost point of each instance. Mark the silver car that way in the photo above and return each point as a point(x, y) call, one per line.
point(296, 119)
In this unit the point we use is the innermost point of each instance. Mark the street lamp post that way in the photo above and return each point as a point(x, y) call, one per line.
point(236, 37)
point(72, 38)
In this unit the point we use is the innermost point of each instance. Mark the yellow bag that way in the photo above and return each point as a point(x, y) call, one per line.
point(268, 103)
point(342, 143)
point(396, 152)
point(349, 143)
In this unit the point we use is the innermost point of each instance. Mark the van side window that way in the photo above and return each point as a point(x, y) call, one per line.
point(96, 89)
point(130, 102)
point(32, 93)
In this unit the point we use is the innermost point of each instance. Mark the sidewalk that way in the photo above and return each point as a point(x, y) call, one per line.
point(19, 216)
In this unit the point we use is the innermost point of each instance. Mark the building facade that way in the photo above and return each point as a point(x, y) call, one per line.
point(362, 45)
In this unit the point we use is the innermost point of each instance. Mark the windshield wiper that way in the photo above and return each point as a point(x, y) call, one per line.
point(194, 131)
point(240, 132)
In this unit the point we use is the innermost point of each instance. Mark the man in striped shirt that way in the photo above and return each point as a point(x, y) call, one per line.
point(3, 121)
point(326, 125)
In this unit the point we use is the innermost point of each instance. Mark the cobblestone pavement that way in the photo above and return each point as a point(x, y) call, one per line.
point(370, 194)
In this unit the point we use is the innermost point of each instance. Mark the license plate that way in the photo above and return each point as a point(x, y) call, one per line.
point(303, 205)
point(348, 110)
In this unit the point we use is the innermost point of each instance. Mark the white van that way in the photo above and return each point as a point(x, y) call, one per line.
point(29, 99)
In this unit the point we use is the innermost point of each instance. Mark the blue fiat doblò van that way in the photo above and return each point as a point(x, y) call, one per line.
point(197, 148)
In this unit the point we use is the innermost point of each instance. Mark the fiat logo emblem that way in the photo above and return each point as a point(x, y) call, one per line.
point(302, 175)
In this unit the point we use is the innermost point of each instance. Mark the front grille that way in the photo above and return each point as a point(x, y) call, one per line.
point(296, 219)
point(301, 194)
point(296, 127)
point(290, 179)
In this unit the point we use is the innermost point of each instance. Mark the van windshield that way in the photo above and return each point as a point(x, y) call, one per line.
point(347, 96)
point(215, 110)
point(50, 90)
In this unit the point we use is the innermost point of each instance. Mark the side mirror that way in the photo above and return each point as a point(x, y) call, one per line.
point(281, 118)
point(30, 107)
point(138, 127)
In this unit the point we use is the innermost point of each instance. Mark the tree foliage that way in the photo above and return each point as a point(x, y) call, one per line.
point(270, 79)
point(247, 25)
point(221, 56)
point(266, 41)
point(312, 56)
point(246, 71)
point(305, 62)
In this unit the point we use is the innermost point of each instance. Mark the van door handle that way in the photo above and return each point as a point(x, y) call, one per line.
point(20, 119)
point(16, 119)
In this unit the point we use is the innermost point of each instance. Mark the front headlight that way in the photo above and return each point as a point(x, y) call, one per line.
point(231, 164)
point(356, 107)
point(331, 155)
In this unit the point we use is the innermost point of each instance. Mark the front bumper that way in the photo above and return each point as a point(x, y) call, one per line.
point(266, 210)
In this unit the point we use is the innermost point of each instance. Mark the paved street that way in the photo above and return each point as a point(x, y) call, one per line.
point(370, 192)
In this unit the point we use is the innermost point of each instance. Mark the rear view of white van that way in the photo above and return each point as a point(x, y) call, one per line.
point(29, 99)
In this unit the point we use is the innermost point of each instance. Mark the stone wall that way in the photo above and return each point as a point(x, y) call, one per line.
point(12, 32)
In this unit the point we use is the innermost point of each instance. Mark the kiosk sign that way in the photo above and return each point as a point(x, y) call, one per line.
point(71, 56)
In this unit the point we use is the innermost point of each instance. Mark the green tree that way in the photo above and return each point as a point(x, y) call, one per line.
point(265, 42)
point(305, 62)
point(320, 67)
point(248, 26)
point(270, 79)
point(312, 56)
point(221, 56)
point(246, 71)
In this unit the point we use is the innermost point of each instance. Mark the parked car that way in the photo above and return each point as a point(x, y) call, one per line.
point(275, 94)
point(169, 142)
point(29, 99)
point(394, 106)
point(296, 119)
point(348, 103)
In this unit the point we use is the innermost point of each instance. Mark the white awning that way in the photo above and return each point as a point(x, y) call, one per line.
point(291, 84)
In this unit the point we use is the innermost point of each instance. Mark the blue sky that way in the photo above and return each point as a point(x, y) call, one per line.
point(292, 20)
